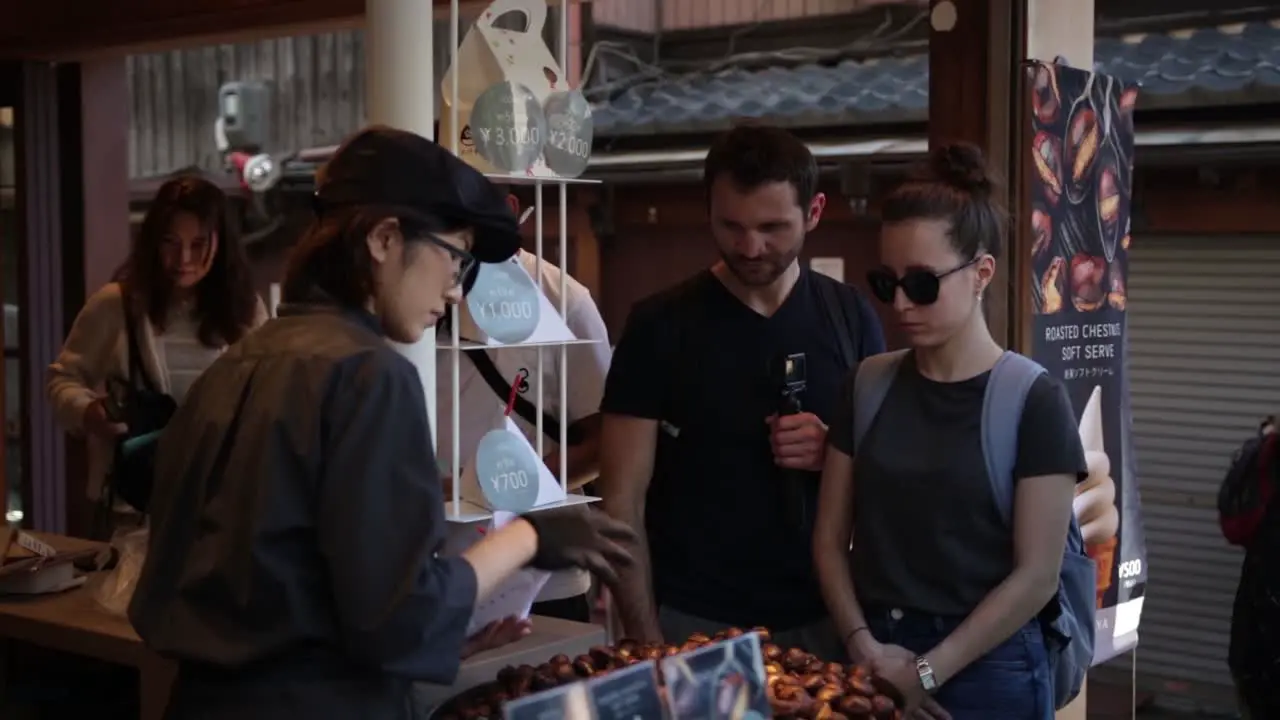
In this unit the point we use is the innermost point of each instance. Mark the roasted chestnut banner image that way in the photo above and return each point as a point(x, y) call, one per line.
point(1081, 154)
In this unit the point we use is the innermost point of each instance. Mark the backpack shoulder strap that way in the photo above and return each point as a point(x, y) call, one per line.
point(838, 316)
point(875, 375)
point(1006, 395)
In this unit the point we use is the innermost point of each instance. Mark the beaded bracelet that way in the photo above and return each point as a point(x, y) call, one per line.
point(855, 631)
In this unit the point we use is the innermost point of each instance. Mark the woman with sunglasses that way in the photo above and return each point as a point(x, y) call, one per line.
point(923, 577)
point(297, 565)
point(187, 292)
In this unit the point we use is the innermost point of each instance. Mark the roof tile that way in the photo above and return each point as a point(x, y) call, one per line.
point(1181, 69)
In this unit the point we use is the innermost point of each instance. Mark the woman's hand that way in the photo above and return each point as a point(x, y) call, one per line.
point(864, 649)
point(98, 422)
point(872, 653)
point(581, 537)
point(495, 635)
point(897, 666)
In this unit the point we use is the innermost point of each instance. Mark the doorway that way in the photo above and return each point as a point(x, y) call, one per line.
point(11, 483)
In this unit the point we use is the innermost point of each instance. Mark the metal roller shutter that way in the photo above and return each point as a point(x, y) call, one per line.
point(1204, 363)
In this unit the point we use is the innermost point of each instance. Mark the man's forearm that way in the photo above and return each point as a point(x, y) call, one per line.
point(634, 596)
point(627, 449)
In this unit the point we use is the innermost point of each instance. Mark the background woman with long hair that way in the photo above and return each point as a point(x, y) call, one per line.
point(188, 294)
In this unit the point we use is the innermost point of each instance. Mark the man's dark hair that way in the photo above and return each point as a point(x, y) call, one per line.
point(332, 256)
point(756, 155)
point(225, 301)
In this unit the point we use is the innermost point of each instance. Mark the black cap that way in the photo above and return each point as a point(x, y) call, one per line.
point(399, 169)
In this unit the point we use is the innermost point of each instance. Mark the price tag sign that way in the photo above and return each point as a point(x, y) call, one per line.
point(568, 702)
point(507, 471)
point(627, 694)
point(569, 133)
point(504, 302)
point(726, 679)
point(508, 126)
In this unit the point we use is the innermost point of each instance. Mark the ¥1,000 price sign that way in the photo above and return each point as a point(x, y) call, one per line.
point(507, 471)
point(504, 302)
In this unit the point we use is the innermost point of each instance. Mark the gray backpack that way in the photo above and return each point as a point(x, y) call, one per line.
point(1067, 621)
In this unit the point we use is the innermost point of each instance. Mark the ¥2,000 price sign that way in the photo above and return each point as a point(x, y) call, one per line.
point(504, 302)
point(507, 471)
point(570, 130)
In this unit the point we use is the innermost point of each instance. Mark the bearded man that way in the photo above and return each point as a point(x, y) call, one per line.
point(714, 411)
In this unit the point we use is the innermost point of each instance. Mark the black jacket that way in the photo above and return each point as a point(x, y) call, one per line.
point(297, 516)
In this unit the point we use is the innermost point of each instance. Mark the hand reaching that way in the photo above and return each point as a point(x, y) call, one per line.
point(581, 537)
point(495, 635)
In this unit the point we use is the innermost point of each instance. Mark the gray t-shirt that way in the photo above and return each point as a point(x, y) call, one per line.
point(928, 535)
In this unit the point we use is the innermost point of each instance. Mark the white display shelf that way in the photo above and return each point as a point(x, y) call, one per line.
point(512, 179)
point(469, 512)
point(472, 345)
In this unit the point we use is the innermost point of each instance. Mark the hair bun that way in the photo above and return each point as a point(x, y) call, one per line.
point(962, 166)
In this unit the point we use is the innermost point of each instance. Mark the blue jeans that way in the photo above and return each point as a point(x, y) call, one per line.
point(1009, 683)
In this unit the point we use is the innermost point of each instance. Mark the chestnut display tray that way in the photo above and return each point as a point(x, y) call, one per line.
point(550, 637)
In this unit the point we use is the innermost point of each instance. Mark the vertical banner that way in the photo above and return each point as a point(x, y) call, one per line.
point(1082, 155)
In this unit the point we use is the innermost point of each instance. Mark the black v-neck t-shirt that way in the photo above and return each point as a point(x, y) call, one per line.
point(700, 361)
point(928, 535)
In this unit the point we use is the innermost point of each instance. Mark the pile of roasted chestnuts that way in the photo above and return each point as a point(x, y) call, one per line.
point(802, 686)
point(799, 684)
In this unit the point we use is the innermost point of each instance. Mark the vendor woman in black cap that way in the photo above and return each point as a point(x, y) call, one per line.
point(293, 568)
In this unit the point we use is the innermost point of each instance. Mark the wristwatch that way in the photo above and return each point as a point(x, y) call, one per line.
point(925, 671)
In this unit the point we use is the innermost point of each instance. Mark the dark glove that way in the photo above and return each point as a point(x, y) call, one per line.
point(581, 537)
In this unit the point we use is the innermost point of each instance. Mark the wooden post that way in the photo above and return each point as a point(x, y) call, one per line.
point(972, 47)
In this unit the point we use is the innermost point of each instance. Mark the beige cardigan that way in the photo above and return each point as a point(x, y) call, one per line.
point(97, 349)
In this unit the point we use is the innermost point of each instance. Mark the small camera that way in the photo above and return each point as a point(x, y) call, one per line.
point(790, 375)
point(793, 375)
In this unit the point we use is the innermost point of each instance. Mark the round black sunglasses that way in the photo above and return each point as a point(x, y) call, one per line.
point(920, 286)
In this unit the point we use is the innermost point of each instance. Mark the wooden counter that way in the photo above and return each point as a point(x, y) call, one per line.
point(72, 622)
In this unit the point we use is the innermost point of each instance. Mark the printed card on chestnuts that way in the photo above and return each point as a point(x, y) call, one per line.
point(628, 694)
point(721, 680)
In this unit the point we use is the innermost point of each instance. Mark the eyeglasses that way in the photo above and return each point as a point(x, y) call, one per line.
point(920, 286)
point(463, 260)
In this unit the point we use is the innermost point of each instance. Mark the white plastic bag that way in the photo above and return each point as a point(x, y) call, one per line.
point(490, 55)
point(114, 589)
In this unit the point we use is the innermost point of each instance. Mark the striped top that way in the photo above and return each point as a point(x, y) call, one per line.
point(181, 353)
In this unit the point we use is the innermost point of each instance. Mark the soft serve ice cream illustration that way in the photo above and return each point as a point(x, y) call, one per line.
point(1095, 503)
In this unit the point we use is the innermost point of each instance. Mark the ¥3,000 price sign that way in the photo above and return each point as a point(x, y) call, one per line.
point(507, 471)
point(508, 126)
point(504, 302)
